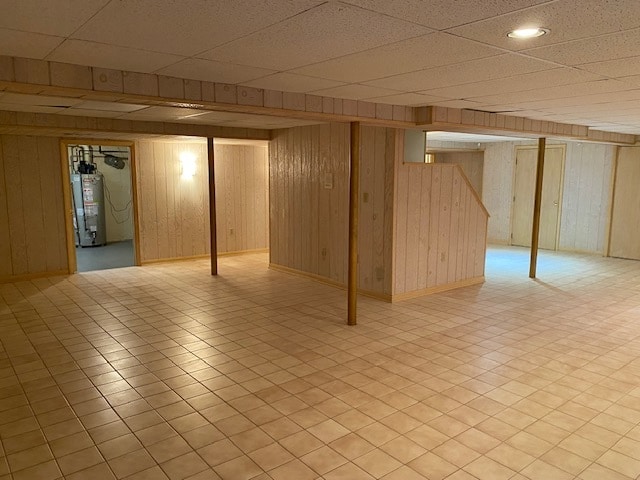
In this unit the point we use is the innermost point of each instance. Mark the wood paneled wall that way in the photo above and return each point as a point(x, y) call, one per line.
point(497, 189)
point(440, 229)
point(242, 197)
point(439, 239)
point(375, 220)
point(471, 162)
point(32, 228)
point(309, 171)
point(174, 211)
point(309, 168)
point(586, 192)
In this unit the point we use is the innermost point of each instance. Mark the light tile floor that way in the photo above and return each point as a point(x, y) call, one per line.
point(164, 372)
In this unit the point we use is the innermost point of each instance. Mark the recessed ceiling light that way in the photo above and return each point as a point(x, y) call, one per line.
point(528, 32)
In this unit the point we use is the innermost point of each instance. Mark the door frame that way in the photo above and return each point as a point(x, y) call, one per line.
point(66, 192)
point(562, 146)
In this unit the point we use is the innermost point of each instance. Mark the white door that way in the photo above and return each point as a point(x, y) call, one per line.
point(523, 196)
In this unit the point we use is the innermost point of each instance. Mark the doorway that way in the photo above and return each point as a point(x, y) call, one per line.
point(524, 192)
point(101, 196)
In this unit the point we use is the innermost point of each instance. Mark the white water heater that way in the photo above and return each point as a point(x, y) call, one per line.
point(88, 202)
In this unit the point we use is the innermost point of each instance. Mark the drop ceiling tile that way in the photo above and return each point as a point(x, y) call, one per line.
point(441, 14)
point(25, 44)
point(81, 52)
point(612, 97)
point(500, 66)
point(109, 106)
point(425, 51)
point(331, 30)
point(621, 67)
point(22, 107)
point(588, 50)
point(51, 18)
point(355, 92)
point(290, 82)
point(556, 92)
point(90, 113)
point(633, 80)
point(185, 28)
point(42, 100)
point(458, 104)
point(411, 99)
point(566, 19)
point(211, 71)
point(161, 113)
point(517, 83)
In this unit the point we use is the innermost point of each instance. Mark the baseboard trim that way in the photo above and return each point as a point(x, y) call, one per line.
point(174, 259)
point(242, 252)
point(32, 276)
point(437, 289)
point(327, 281)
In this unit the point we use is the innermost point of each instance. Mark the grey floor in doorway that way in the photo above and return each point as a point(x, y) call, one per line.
point(112, 255)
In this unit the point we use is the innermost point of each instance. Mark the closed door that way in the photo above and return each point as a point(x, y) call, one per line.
point(625, 227)
point(524, 192)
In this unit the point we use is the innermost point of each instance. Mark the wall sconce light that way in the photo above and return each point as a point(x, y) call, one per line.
point(187, 165)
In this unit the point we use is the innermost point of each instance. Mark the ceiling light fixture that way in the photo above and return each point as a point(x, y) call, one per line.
point(532, 32)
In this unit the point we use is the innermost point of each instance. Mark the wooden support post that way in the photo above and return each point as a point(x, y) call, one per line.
point(535, 231)
point(212, 208)
point(354, 180)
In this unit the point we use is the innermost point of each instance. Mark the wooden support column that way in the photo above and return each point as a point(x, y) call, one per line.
point(212, 208)
point(354, 180)
point(535, 231)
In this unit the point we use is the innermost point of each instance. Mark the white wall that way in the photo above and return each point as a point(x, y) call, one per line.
point(585, 200)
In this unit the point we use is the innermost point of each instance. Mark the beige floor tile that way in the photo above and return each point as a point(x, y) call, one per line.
point(529, 444)
point(484, 468)
point(328, 431)
point(351, 446)
point(348, 471)
point(131, 463)
point(301, 443)
point(510, 457)
point(403, 449)
point(169, 448)
point(377, 434)
point(620, 463)
point(323, 460)
point(219, 452)
point(598, 472)
point(119, 446)
point(240, 468)
point(271, 456)
point(456, 453)
point(293, 469)
point(100, 471)
point(43, 471)
point(377, 463)
point(195, 372)
point(566, 460)
point(404, 473)
point(79, 460)
point(477, 440)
